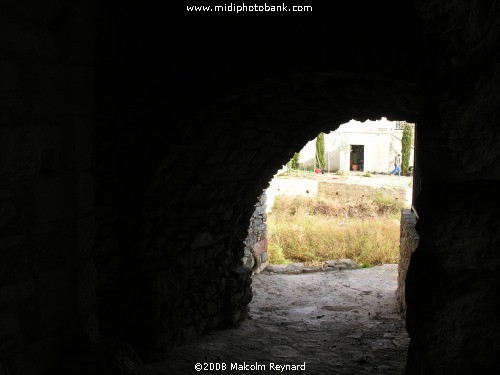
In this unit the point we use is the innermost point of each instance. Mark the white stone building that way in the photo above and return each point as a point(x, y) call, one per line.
point(375, 144)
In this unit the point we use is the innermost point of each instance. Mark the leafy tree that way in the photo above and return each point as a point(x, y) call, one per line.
point(406, 148)
point(320, 151)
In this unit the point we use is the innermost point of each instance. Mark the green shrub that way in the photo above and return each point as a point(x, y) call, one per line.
point(387, 206)
point(275, 254)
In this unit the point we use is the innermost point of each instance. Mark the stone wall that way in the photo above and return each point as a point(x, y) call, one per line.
point(344, 191)
point(407, 244)
point(47, 272)
point(255, 256)
point(128, 176)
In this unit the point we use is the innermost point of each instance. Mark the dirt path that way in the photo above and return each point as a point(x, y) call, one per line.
point(337, 322)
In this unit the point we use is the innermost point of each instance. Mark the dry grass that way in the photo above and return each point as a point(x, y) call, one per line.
point(313, 230)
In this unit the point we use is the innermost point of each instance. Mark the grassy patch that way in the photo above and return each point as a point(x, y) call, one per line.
point(303, 207)
point(275, 254)
point(313, 230)
point(387, 206)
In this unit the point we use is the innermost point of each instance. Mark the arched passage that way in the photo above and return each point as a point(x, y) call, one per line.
point(126, 209)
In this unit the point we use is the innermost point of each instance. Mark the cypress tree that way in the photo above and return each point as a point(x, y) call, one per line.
point(320, 150)
point(406, 148)
point(293, 163)
point(295, 160)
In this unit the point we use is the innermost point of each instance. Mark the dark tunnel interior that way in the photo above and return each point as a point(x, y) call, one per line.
point(135, 139)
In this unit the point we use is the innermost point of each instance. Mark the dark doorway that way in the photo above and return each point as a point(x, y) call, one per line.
point(357, 157)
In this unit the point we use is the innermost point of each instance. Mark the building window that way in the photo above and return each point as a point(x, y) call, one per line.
point(400, 125)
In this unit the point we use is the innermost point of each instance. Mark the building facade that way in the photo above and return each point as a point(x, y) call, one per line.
point(371, 144)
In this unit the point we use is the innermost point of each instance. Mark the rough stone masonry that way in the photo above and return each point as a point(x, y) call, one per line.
point(134, 143)
point(255, 255)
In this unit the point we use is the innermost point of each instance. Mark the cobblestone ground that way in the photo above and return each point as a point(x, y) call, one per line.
point(337, 322)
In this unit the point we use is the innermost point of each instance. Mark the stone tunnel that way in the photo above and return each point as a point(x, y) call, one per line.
point(136, 138)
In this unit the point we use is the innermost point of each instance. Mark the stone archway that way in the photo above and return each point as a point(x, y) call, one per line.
point(128, 179)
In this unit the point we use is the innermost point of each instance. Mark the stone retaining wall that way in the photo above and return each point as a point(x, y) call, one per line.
point(345, 191)
point(255, 255)
point(408, 243)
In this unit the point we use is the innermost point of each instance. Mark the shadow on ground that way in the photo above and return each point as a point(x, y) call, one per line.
point(337, 322)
